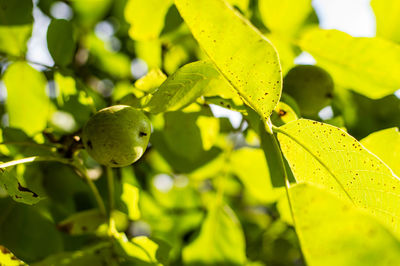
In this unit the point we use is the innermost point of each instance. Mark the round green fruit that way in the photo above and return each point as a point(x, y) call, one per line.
point(117, 136)
point(311, 87)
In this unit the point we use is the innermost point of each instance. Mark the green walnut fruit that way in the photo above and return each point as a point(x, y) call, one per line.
point(117, 136)
point(311, 87)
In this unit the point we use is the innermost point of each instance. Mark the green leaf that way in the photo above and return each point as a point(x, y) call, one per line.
point(90, 222)
point(28, 231)
point(365, 65)
point(17, 191)
point(27, 103)
point(326, 155)
point(334, 232)
point(99, 254)
point(151, 81)
point(284, 17)
point(185, 86)
point(190, 134)
point(15, 26)
point(141, 250)
point(9, 259)
point(90, 12)
point(220, 241)
point(250, 166)
point(387, 19)
point(130, 198)
point(146, 18)
point(60, 41)
point(246, 58)
point(116, 64)
point(386, 145)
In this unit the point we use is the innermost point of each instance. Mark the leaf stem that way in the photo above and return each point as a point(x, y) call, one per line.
point(110, 183)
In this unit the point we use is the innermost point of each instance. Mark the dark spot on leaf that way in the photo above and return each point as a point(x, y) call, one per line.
point(66, 228)
point(142, 134)
point(329, 95)
point(24, 189)
point(89, 144)
point(282, 112)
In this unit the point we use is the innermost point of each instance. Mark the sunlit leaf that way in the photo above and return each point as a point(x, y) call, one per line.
point(325, 155)
point(139, 13)
point(27, 103)
point(365, 65)
point(130, 198)
point(387, 19)
point(140, 250)
point(251, 168)
point(15, 26)
point(246, 59)
point(334, 232)
point(60, 41)
point(220, 241)
point(284, 17)
point(185, 86)
point(151, 81)
point(9, 259)
point(90, 11)
point(386, 145)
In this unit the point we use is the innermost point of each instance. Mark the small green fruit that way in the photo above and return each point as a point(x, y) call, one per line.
point(117, 136)
point(311, 87)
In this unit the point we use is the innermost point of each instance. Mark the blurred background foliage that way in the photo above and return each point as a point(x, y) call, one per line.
point(203, 190)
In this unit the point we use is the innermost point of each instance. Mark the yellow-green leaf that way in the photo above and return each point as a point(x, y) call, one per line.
point(9, 259)
point(220, 242)
point(185, 86)
point(27, 103)
point(284, 17)
point(386, 145)
point(334, 232)
point(146, 18)
point(326, 155)
point(15, 26)
point(241, 53)
point(387, 19)
point(366, 65)
point(250, 166)
point(130, 197)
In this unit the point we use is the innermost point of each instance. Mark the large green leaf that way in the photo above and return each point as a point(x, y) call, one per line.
point(17, 191)
point(28, 231)
point(185, 86)
point(27, 102)
point(387, 19)
point(334, 232)
point(386, 144)
point(15, 26)
point(146, 18)
point(365, 65)
point(240, 52)
point(326, 155)
point(89, 12)
point(220, 242)
point(284, 17)
point(60, 41)
point(130, 200)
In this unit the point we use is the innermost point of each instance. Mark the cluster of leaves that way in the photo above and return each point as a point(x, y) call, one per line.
point(277, 189)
